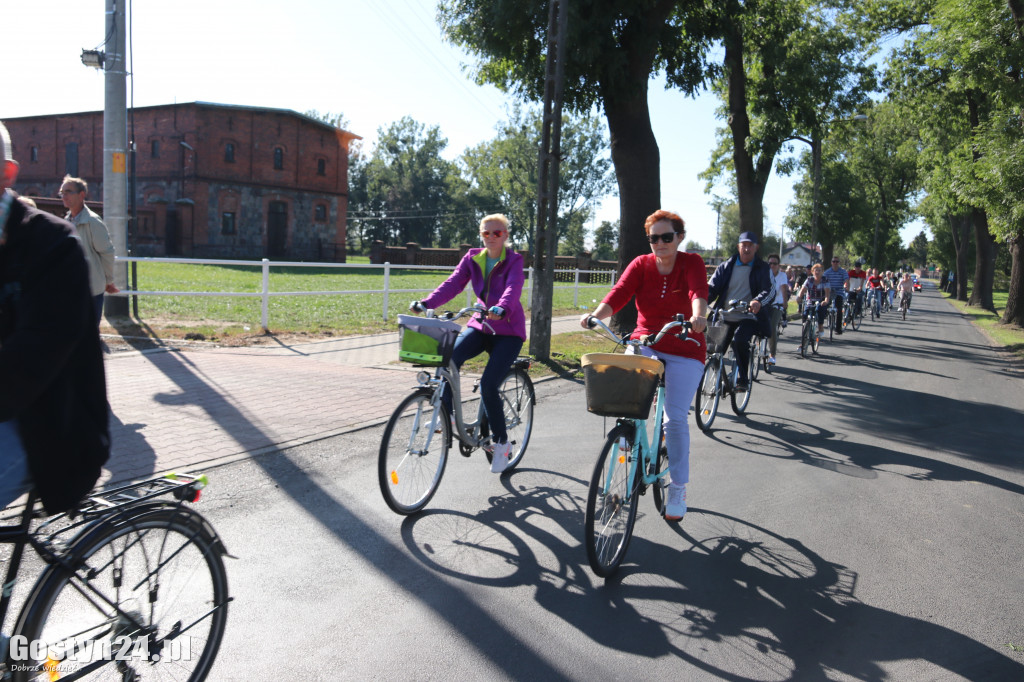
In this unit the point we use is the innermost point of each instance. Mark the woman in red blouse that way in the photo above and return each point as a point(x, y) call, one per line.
point(667, 282)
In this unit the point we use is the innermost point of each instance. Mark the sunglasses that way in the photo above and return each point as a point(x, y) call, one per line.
point(665, 237)
point(488, 233)
point(773, 262)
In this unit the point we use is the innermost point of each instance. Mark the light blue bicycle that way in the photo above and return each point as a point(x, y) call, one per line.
point(623, 386)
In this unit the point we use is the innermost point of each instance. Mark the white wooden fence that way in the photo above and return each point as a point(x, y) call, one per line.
point(265, 293)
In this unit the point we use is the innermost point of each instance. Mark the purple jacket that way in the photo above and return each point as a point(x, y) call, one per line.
point(502, 288)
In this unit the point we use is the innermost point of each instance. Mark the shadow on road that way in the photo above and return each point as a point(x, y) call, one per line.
point(732, 599)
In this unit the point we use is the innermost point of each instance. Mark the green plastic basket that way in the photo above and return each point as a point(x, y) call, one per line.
point(425, 340)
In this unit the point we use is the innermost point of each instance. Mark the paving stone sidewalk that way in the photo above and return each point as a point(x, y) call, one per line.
point(196, 407)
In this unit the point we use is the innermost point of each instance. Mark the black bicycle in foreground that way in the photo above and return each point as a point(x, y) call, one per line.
point(133, 587)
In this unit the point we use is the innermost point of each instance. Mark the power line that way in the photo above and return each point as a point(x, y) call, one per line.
point(411, 35)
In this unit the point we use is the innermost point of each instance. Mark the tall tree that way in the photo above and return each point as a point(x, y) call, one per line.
point(616, 47)
point(408, 183)
point(789, 67)
point(505, 170)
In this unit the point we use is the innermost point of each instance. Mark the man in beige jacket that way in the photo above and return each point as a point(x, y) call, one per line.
point(99, 250)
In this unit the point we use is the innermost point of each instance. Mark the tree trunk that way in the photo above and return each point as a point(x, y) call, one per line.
point(958, 225)
point(985, 262)
point(748, 192)
point(638, 171)
point(1014, 313)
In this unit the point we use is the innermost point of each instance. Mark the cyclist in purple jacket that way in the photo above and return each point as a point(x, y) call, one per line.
point(496, 274)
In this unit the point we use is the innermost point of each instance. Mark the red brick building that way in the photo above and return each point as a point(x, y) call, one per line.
point(212, 180)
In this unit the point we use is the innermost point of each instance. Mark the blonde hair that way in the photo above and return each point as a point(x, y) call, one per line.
point(817, 268)
point(495, 217)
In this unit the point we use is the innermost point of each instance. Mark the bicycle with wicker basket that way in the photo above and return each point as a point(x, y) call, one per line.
point(624, 386)
point(721, 368)
point(414, 448)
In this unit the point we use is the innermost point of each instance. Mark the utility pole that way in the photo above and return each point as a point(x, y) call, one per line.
point(115, 147)
point(549, 158)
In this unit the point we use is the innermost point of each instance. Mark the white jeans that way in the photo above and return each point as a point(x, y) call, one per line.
point(681, 378)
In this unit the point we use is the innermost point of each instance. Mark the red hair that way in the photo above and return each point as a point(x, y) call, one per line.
point(678, 226)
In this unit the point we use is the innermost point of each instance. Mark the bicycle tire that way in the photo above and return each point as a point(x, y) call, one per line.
point(740, 399)
point(150, 583)
point(855, 320)
point(709, 393)
point(831, 323)
point(815, 336)
point(755, 359)
point(517, 400)
point(660, 463)
point(408, 474)
point(611, 503)
point(766, 356)
point(805, 338)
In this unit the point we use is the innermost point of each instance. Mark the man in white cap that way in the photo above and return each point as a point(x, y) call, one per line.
point(54, 418)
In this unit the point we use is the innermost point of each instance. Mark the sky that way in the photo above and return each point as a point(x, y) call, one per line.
point(374, 61)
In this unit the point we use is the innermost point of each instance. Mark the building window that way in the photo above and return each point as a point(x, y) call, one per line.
point(71, 158)
point(229, 153)
point(34, 154)
point(321, 166)
point(278, 158)
point(227, 223)
point(154, 149)
point(320, 213)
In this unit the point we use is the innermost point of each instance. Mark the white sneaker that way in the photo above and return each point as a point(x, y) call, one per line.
point(499, 459)
point(771, 360)
point(675, 508)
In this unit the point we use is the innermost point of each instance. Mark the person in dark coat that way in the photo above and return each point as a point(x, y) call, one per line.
point(54, 415)
point(744, 277)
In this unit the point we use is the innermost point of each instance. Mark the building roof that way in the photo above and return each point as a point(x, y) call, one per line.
point(213, 105)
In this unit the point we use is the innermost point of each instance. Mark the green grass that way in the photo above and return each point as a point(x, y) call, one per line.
point(333, 314)
point(1009, 336)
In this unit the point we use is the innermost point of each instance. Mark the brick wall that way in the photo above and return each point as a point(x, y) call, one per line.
point(228, 166)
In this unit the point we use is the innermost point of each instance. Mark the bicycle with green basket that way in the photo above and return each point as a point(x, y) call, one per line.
point(421, 430)
point(623, 386)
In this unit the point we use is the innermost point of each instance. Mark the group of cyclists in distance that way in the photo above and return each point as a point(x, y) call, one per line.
point(663, 283)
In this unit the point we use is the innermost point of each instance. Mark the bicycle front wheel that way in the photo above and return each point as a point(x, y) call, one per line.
point(147, 600)
point(413, 452)
point(660, 463)
point(709, 392)
point(611, 502)
point(517, 400)
point(756, 358)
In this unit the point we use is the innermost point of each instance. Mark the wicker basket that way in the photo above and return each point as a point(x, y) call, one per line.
point(425, 340)
point(621, 385)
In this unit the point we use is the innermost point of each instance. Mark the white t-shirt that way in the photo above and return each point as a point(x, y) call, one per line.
point(781, 280)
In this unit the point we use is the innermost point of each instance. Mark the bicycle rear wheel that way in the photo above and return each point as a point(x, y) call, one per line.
point(413, 452)
point(740, 399)
point(709, 392)
point(517, 399)
point(147, 600)
point(611, 502)
point(755, 358)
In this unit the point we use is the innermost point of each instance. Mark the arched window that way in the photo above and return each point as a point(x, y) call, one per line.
point(278, 158)
point(229, 152)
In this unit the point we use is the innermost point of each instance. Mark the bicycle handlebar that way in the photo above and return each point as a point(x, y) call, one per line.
point(476, 308)
point(678, 320)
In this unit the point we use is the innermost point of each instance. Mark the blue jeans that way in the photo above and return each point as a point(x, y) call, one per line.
point(15, 479)
point(503, 350)
point(97, 304)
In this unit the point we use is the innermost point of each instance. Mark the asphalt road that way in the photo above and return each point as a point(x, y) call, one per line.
point(861, 523)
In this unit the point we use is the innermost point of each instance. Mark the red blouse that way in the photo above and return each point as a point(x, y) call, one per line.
point(659, 297)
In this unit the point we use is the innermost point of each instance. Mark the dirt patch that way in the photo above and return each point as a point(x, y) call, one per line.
point(127, 334)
